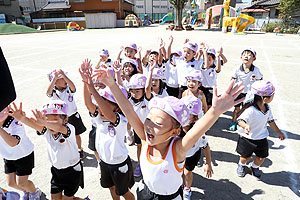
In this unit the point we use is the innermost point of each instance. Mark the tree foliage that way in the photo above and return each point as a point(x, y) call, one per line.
point(178, 5)
point(288, 7)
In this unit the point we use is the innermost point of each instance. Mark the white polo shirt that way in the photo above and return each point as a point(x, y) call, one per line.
point(202, 142)
point(185, 68)
point(141, 108)
point(248, 78)
point(171, 74)
point(16, 129)
point(67, 96)
point(110, 140)
point(257, 120)
point(62, 149)
point(146, 68)
point(209, 77)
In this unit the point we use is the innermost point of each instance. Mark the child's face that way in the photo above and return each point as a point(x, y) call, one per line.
point(99, 86)
point(61, 83)
point(247, 57)
point(269, 99)
point(153, 58)
point(104, 58)
point(130, 52)
point(159, 127)
point(192, 85)
point(111, 106)
point(155, 83)
point(127, 69)
point(55, 118)
point(137, 93)
point(188, 54)
point(210, 60)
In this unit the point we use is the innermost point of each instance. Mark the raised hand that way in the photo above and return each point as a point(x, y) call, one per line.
point(148, 51)
point(86, 70)
point(227, 99)
point(117, 66)
point(171, 39)
point(16, 112)
point(162, 44)
point(103, 75)
point(139, 50)
point(40, 118)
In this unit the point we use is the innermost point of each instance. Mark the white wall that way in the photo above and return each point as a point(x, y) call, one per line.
point(101, 20)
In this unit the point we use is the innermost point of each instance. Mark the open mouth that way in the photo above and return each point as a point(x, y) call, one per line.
point(150, 137)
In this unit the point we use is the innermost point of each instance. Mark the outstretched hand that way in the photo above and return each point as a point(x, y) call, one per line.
point(103, 75)
point(40, 119)
point(86, 71)
point(225, 101)
point(16, 112)
point(117, 67)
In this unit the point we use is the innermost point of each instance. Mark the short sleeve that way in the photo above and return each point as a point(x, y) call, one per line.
point(234, 75)
point(245, 116)
point(270, 117)
point(175, 59)
point(258, 75)
point(17, 130)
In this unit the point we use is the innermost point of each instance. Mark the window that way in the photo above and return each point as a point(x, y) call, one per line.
point(164, 6)
point(140, 6)
point(155, 6)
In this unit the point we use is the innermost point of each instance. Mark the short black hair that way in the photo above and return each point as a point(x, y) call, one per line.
point(248, 51)
point(212, 55)
point(154, 52)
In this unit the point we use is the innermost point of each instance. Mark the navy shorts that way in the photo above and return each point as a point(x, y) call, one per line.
point(246, 147)
point(242, 95)
point(208, 94)
point(22, 166)
point(191, 162)
point(76, 121)
point(92, 139)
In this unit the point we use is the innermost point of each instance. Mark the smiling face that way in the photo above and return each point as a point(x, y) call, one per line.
point(104, 58)
point(193, 85)
point(153, 57)
point(55, 118)
point(128, 69)
point(159, 127)
point(247, 57)
point(130, 52)
point(137, 93)
point(155, 84)
point(61, 83)
point(188, 54)
point(211, 58)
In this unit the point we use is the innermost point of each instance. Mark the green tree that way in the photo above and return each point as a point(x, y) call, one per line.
point(178, 5)
point(287, 8)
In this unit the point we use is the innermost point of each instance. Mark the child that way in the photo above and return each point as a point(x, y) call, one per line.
point(139, 99)
point(17, 152)
point(186, 64)
point(130, 53)
point(163, 154)
point(115, 165)
point(193, 83)
point(129, 69)
point(194, 154)
point(209, 73)
point(253, 128)
point(248, 74)
point(67, 169)
point(150, 58)
point(62, 88)
point(104, 59)
point(155, 82)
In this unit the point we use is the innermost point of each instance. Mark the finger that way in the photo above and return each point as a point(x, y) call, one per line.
point(34, 114)
point(21, 106)
point(235, 95)
point(215, 92)
point(230, 86)
point(15, 106)
point(236, 87)
point(239, 101)
point(10, 108)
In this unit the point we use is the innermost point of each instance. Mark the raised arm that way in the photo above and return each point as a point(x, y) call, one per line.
point(52, 84)
point(69, 82)
point(118, 70)
point(139, 60)
point(145, 58)
point(222, 55)
point(120, 52)
point(149, 81)
point(218, 67)
point(169, 51)
point(104, 76)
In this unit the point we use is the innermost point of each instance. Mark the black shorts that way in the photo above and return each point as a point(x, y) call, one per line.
point(208, 93)
point(246, 147)
point(146, 194)
point(92, 139)
point(242, 95)
point(22, 166)
point(112, 176)
point(76, 121)
point(137, 139)
point(67, 180)
point(172, 91)
point(191, 162)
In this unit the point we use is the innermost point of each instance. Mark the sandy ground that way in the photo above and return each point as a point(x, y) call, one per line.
point(32, 56)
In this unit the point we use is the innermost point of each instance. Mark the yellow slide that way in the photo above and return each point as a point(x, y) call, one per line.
point(241, 27)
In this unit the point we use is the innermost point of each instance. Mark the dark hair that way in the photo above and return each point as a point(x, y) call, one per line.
point(117, 106)
point(255, 102)
point(135, 71)
point(154, 52)
point(248, 51)
point(162, 85)
point(212, 55)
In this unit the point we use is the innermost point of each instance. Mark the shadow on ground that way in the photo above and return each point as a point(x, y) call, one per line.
point(220, 189)
point(89, 160)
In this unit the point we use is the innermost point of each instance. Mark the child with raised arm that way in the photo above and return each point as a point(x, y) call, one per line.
point(155, 82)
point(163, 153)
point(62, 88)
point(209, 73)
point(67, 169)
point(18, 155)
point(130, 51)
point(104, 59)
point(253, 131)
point(129, 68)
point(194, 80)
point(194, 154)
point(115, 165)
point(248, 73)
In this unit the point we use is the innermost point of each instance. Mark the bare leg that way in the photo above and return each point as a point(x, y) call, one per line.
point(97, 156)
point(113, 193)
point(234, 114)
point(57, 196)
point(78, 141)
point(27, 185)
point(244, 160)
point(11, 181)
point(128, 195)
point(188, 178)
point(258, 161)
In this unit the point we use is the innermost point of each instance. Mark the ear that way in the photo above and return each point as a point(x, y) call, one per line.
point(66, 120)
point(254, 58)
point(175, 132)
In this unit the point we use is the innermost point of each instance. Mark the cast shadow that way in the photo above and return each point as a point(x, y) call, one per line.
point(89, 160)
point(220, 189)
point(283, 179)
point(289, 135)
point(43, 196)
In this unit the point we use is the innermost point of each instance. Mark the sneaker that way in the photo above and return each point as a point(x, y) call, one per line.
point(36, 195)
point(241, 171)
point(187, 193)
point(233, 126)
point(25, 195)
point(86, 198)
point(256, 172)
point(137, 172)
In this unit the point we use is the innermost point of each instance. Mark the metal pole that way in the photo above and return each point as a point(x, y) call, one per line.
point(34, 5)
point(152, 10)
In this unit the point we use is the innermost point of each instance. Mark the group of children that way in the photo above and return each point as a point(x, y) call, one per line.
point(164, 103)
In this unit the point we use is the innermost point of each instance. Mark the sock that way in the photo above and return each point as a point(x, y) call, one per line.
point(242, 163)
point(187, 189)
point(254, 165)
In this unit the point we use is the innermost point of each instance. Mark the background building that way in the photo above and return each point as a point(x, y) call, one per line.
point(11, 9)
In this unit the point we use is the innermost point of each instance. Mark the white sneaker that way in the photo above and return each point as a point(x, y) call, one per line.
point(187, 194)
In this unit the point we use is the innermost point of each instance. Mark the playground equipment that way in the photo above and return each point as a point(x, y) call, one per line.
point(166, 18)
point(238, 23)
point(147, 20)
point(72, 26)
point(131, 21)
point(196, 18)
point(216, 11)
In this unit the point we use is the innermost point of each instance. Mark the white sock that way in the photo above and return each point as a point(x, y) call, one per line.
point(254, 165)
point(242, 164)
